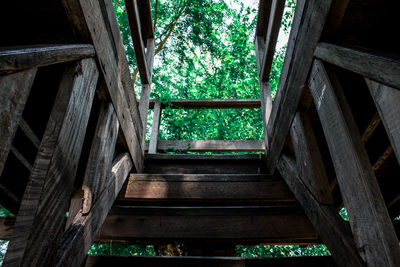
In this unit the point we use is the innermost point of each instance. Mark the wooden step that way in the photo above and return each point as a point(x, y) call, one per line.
point(215, 188)
point(315, 261)
point(200, 164)
point(240, 224)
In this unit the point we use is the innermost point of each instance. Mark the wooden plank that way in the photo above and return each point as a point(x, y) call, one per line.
point(145, 19)
point(211, 145)
point(325, 218)
point(369, 219)
point(196, 261)
point(21, 158)
point(204, 187)
point(308, 22)
point(370, 64)
point(101, 156)
point(155, 128)
point(264, 11)
point(238, 223)
point(29, 133)
point(308, 154)
point(138, 42)
point(15, 59)
point(75, 207)
point(78, 238)
point(41, 216)
point(84, 15)
point(375, 121)
point(266, 108)
point(274, 25)
point(210, 103)
point(14, 92)
point(387, 101)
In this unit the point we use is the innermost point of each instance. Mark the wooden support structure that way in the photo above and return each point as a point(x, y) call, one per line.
point(307, 27)
point(209, 103)
point(372, 228)
point(42, 212)
point(211, 145)
point(29, 133)
point(155, 128)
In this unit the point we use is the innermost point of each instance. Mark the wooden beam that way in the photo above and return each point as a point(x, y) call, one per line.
point(207, 187)
point(29, 133)
point(137, 38)
point(6, 227)
point(372, 125)
point(41, 216)
point(382, 69)
point(84, 15)
point(309, 159)
point(387, 101)
point(28, 57)
point(100, 156)
point(325, 218)
point(210, 103)
point(266, 108)
point(78, 238)
point(14, 92)
point(372, 228)
point(308, 22)
point(193, 261)
point(21, 158)
point(237, 223)
point(145, 19)
point(155, 128)
point(211, 145)
point(274, 25)
point(264, 11)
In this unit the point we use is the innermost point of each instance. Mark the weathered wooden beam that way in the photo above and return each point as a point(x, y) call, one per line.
point(387, 101)
point(211, 145)
point(326, 220)
point(145, 19)
point(78, 238)
point(155, 128)
point(41, 216)
point(266, 108)
point(264, 11)
point(237, 223)
point(308, 22)
point(23, 58)
point(207, 187)
point(84, 15)
point(100, 156)
point(372, 228)
point(21, 158)
point(6, 227)
point(372, 125)
point(137, 38)
point(274, 25)
point(309, 159)
point(210, 103)
point(193, 261)
point(29, 133)
point(382, 69)
point(14, 92)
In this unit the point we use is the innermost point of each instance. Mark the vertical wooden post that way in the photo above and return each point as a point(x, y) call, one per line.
point(41, 217)
point(14, 92)
point(155, 128)
point(266, 107)
point(369, 219)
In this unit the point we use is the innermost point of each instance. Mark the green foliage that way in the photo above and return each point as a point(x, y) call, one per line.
point(121, 249)
point(281, 251)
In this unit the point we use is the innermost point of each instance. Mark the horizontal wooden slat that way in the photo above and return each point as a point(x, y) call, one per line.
point(96, 261)
point(211, 145)
point(21, 58)
point(205, 187)
point(210, 103)
point(369, 64)
point(238, 223)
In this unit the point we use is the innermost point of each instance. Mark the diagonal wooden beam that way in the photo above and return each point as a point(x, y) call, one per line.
point(371, 225)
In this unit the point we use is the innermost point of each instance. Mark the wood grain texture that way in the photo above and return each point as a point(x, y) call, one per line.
point(29, 133)
point(205, 187)
point(266, 108)
point(370, 64)
point(78, 238)
point(211, 145)
point(114, 69)
point(41, 216)
point(14, 92)
point(100, 156)
point(387, 102)
point(210, 103)
point(326, 220)
point(264, 11)
point(23, 58)
point(372, 228)
point(155, 128)
point(309, 159)
point(308, 22)
point(145, 19)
